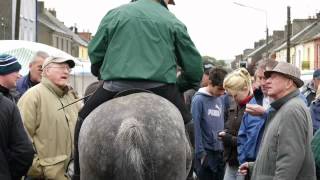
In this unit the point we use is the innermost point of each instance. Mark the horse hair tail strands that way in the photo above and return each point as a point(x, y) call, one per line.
point(129, 143)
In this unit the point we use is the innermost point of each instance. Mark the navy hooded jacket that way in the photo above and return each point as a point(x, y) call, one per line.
point(208, 116)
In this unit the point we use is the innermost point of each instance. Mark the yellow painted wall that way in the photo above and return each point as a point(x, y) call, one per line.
point(83, 53)
point(310, 46)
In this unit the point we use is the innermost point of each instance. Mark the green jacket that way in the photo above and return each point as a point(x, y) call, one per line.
point(285, 152)
point(144, 41)
point(51, 130)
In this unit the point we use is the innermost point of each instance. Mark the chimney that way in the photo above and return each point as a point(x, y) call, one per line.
point(40, 7)
point(318, 16)
point(53, 12)
point(262, 42)
point(256, 45)
point(85, 35)
point(278, 35)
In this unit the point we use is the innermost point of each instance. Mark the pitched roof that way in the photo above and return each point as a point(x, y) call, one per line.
point(304, 35)
point(261, 48)
point(53, 23)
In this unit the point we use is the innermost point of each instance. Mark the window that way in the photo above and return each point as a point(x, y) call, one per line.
point(60, 43)
point(63, 44)
point(57, 41)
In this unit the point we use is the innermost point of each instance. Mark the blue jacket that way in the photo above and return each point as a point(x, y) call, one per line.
point(248, 135)
point(315, 114)
point(23, 84)
point(208, 116)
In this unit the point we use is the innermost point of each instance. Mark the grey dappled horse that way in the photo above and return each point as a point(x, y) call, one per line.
point(138, 137)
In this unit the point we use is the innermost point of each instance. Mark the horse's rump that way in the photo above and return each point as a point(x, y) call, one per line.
point(139, 136)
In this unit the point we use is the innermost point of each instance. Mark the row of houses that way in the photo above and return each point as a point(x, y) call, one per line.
point(38, 24)
point(304, 46)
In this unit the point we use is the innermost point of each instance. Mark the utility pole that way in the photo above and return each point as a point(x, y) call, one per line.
point(288, 33)
point(17, 24)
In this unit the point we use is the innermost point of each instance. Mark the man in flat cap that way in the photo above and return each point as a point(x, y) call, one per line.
point(50, 126)
point(285, 151)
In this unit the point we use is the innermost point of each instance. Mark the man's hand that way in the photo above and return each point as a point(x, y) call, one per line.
point(243, 168)
point(221, 134)
point(203, 159)
point(255, 109)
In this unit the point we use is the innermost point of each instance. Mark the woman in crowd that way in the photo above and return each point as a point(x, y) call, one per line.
point(238, 85)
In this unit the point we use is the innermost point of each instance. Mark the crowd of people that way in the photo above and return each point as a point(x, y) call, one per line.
point(260, 128)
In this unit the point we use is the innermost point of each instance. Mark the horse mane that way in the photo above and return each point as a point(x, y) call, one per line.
point(130, 143)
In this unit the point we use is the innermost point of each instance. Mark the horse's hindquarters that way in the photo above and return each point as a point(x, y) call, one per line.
point(140, 136)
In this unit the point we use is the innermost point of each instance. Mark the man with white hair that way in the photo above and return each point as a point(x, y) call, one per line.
point(34, 75)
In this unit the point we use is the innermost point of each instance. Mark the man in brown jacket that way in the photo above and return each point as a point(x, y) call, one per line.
point(285, 151)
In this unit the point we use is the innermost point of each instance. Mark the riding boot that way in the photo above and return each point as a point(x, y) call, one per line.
point(76, 175)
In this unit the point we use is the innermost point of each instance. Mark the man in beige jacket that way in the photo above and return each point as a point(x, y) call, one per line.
point(50, 129)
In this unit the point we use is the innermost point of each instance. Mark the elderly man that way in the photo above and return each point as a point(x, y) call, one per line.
point(9, 74)
point(50, 126)
point(34, 75)
point(285, 151)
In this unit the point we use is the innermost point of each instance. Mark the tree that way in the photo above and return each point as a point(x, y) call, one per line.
point(215, 62)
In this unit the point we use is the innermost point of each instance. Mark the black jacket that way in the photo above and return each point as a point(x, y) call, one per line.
point(16, 150)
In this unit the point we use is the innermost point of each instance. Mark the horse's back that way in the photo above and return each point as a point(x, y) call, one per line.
point(139, 136)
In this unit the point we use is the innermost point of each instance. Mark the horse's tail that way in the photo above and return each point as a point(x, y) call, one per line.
point(130, 142)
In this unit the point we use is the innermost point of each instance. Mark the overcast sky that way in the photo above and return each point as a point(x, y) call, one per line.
point(220, 29)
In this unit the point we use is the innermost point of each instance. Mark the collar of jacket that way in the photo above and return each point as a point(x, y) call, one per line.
point(53, 88)
point(29, 82)
point(278, 103)
point(4, 90)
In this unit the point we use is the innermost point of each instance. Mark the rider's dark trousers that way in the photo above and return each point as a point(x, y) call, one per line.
point(169, 92)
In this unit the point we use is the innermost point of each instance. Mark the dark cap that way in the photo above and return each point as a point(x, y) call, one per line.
point(316, 74)
point(8, 64)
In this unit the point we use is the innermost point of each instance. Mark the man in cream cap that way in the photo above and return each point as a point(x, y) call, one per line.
point(50, 129)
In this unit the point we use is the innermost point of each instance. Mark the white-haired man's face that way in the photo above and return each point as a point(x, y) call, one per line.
point(261, 80)
point(35, 69)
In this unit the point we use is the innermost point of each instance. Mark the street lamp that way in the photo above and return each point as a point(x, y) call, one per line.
point(265, 13)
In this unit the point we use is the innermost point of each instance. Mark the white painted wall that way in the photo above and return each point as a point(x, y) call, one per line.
point(28, 20)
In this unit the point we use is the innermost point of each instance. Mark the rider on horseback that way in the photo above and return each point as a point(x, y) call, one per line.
point(139, 45)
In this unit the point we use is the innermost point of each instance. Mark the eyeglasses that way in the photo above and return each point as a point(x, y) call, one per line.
point(61, 68)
